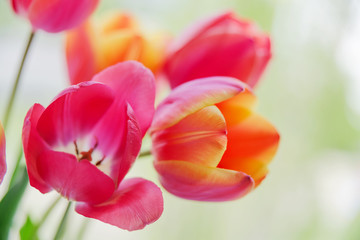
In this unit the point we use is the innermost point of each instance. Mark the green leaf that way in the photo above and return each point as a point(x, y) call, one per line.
point(10, 202)
point(29, 230)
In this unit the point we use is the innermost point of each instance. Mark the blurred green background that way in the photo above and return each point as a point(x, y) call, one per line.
point(310, 92)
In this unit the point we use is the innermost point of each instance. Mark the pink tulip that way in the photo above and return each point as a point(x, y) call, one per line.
point(221, 45)
point(2, 154)
point(83, 144)
point(54, 15)
point(208, 143)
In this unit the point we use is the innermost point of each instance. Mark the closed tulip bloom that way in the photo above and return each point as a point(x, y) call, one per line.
point(98, 44)
point(208, 143)
point(221, 45)
point(54, 15)
point(83, 144)
point(2, 154)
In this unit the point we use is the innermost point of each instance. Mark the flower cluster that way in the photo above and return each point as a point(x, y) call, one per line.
point(208, 142)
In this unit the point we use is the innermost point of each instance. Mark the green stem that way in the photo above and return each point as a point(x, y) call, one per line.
point(145, 153)
point(62, 224)
point(16, 169)
point(17, 81)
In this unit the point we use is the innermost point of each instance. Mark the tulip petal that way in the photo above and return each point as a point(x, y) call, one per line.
point(74, 113)
point(197, 182)
point(2, 154)
point(252, 140)
point(58, 15)
point(120, 139)
point(134, 84)
point(34, 146)
point(134, 205)
point(80, 55)
point(75, 180)
point(199, 138)
point(192, 96)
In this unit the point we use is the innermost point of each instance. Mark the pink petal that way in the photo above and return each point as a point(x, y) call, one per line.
point(134, 205)
point(193, 96)
point(199, 138)
point(135, 84)
point(198, 182)
point(59, 15)
point(34, 146)
point(119, 138)
point(74, 113)
point(80, 55)
point(2, 154)
point(79, 181)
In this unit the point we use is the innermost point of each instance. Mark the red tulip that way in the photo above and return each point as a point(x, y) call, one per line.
point(83, 144)
point(222, 45)
point(54, 15)
point(2, 154)
point(208, 143)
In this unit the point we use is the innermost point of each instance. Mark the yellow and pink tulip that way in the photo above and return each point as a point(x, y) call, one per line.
point(2, 154)
point(208, 143)
point(94, 46)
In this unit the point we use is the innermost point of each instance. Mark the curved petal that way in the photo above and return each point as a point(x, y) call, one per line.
point(192, 96)
point(79, 181)
point(252, 140)
point(70, 116)
point(199, 138)
point(80, 54)
point(59, 15)
point(34, 146)
point(197, 182)
point(119, 139)
point(2, 154)
point(134, 205)
point(135, 84)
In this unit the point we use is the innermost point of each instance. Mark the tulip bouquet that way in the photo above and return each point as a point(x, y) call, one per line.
point(208, 142)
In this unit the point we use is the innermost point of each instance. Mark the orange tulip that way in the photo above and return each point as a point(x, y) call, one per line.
point(208, 143)
point(96, 45)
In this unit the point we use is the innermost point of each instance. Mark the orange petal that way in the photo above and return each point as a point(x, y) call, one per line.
point(198, 138)
point(197, 182)
point(252, 143)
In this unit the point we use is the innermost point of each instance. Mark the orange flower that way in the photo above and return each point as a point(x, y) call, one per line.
point(208, 143)
point(96, 45)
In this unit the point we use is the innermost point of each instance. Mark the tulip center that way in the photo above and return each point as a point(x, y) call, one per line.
point(87, 155)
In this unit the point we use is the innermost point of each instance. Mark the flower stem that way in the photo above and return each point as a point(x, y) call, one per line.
point(17, 81)
point(145, 153)
point(62, 224)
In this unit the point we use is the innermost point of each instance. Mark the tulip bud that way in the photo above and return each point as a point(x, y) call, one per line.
point(55, 15)
point(96, 45)
point(221, 45)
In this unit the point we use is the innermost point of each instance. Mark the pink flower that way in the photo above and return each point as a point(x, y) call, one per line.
point(221, 45)
point(83, 144)
point(2, 154)
point(54, 15)
point(208, 143)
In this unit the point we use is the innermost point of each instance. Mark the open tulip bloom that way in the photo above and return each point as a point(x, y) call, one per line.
point(220, 45)
point(83, 144)
point(54, 15)
point(208, 143)
point(2, 154)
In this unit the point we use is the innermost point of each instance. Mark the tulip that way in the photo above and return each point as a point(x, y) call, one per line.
point(2, 154)
point(221, 45)
point(83, 144)
point(96, 45)
point(54, 15)
point(208, 143)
